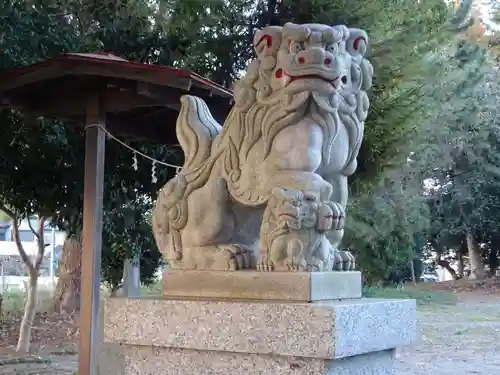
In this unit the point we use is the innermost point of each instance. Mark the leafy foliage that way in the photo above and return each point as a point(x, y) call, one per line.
point(128, 235)
point(458, 151)
point(43, 169)
point(381, 227)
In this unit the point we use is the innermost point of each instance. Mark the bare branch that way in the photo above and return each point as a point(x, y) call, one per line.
point(32, 229)
point(20, 248)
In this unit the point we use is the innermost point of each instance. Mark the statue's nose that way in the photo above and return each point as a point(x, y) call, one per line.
point(314, 56)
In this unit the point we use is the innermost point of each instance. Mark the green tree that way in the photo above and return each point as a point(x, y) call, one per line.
point(42, 172)
point(129, 234)
point(382, 224)
point(459, 151)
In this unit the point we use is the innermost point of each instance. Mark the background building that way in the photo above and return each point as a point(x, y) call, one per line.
point(13, 274)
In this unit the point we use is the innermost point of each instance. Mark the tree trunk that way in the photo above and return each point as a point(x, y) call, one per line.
point(412, 269)
point(132, 278)
point(67, 295)
point(23, 344)
point(460, 262)
point(475, 259)
point(493, 261)
point(270, 14)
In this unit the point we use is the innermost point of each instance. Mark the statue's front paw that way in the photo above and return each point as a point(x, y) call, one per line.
point(345, 261)
point(295, 260)
point(338, 262)
point(338, 216)
point(351, 261)
point(296, 264)
point(264, 264)
point(234, 257)
point(315, 265)
point(243, 257)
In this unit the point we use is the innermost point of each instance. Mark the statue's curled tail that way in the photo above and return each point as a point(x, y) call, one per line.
point(196, 130)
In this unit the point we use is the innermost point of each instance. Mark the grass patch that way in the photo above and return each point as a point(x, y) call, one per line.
point(411, 292)
point(479, 319)
point(14, 301)
point(25, 360)
point(484, 319)
point(154, 289)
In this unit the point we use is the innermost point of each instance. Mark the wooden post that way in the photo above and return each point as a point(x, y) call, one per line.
point(92, 236)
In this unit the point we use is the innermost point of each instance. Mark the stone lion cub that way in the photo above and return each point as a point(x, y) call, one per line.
point(293, 233)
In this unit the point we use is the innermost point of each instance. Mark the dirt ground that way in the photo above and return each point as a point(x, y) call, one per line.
point(460, 339)
point(54, 346)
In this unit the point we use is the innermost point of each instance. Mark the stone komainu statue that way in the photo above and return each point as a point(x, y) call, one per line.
point(296, 127)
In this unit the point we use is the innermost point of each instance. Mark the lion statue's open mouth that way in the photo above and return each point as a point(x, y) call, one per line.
point(289, 78)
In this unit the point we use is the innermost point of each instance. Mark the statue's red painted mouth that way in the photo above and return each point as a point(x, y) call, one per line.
point(280, 73)
point(287, 215)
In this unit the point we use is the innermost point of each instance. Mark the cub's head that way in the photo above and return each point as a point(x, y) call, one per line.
point(296, 209)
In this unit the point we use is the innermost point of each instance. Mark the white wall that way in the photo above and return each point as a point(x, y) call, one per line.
point(60, 236)
point(443, 274)
point(15, 283)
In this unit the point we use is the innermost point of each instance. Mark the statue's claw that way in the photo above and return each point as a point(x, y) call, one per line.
point(264, 264)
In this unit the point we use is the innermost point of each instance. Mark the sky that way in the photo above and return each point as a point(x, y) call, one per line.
point(485, 8)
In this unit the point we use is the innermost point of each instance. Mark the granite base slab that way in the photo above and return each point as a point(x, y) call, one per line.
point(147, 360)
point(262, 286)
point(165, 336)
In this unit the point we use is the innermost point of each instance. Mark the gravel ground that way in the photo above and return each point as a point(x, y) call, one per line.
point(461, 339)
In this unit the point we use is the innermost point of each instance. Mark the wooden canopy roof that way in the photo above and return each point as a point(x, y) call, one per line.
point(141, 101)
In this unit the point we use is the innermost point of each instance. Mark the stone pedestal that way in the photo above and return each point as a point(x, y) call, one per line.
point(263, 286)
point(270, 333)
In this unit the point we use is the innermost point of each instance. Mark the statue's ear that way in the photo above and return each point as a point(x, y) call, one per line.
point(267, 41)
point(367, 72)
point(357, 42)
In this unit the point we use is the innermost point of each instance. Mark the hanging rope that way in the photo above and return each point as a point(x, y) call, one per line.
point(135, 163)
